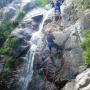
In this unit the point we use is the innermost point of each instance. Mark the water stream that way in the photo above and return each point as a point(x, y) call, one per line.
point(30, 58)
point(36, 43)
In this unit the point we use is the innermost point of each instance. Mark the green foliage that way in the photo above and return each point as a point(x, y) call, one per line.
point(13, 42)
point(7, 27)
point(9, 63)
point(5, 74)
point(5, 30)
point(20, 14)
point(86, 47)
point(42, 2)
point(81, 6)
point(87, 56)
point(7, 69)
point(5, 50)
point(86, 4)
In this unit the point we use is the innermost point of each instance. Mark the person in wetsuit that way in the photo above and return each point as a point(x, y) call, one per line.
point(50, 40)
point(56, 5)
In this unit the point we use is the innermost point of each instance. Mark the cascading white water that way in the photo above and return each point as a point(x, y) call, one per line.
point(30, 58)
point(36, 43)
point(44, 19)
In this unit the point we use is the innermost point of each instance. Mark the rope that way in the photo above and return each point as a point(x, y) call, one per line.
point(46, 74)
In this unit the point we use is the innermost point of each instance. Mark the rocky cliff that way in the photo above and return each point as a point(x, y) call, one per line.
point(62, 70)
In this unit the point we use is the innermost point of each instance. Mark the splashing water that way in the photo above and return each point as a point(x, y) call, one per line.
point(36, 43)
point(45, 18)
point(30, 57)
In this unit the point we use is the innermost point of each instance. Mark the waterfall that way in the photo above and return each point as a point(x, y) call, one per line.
point(44, 19)
point(30, 58)
point(36, 43)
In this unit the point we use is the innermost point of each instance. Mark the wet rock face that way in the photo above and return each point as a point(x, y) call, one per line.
point(73, 53)
point(69, 42)
point(82, 82)
point(70, 86)
point(9, 8)
point(55, 70)
point(46, 69)
point(2, 62)
point(38, 80)
point(62, 67)
point(61, 70)
point(29, 6)
point(69, 14)
point(85, 21)
point(21, 49)
point(5, 2)
point(9, 11)
point(23, 33)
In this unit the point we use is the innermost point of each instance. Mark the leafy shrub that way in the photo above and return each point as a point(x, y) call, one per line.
point(4, 75)
point(81, 5)
point(13, 42)
point(86, 47)
point(86, 4)
point(9, 63)
point(42, 2)
point(7, 68)
point(87, 56)
point(5, 30)
point(20, 14)
point(5, 50)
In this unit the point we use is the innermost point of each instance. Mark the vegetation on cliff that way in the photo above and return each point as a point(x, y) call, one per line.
point(8, 48)
point(86, 47)
point(5, 30)
point(8, 66)
point(81, 5)
point(7, 27)
point(42, 2)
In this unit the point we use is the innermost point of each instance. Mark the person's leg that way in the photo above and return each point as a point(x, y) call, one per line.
point(55, 11)
point(56, 47)
point(50, 48)
point(59, 49)
point(58, 14)
point(53, 17)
